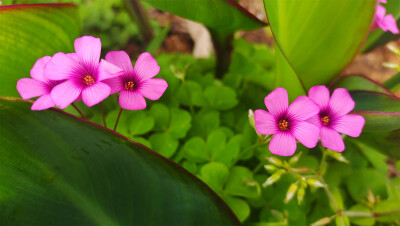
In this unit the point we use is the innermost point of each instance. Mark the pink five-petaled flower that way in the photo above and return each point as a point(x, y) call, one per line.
point(287, 123)
point(83, 72)
point(38, 85)
point(383, 21)
point(333, 117)
point(136, 83)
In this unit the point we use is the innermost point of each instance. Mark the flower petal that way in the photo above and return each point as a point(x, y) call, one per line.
point(320, 95)
point(94, 94)
point(146, 67)
point(277, 101)
point(351, 125)
point(341, 102)
point(120, 59)
point(29, 88)
point(283, 144)
point(331, 139)
point(306, 133)
point(390, 24)
point(61, 67)
point(65, 93)
point(38, 67)
point(43, 102)
point(302, 108)
point(131, 100)
point(153, 88)
point(315, 120)
point(88, 49)
point(265, 122)
point(116, 84)
point(108, 70)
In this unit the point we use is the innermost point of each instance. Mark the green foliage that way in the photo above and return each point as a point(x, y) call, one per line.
point(31, 32)
point(314, 56)
point(67, 171)
point(228, 16)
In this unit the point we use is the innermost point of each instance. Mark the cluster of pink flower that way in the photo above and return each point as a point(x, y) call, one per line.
point(307, 119)
point(383, 21)
point(64, 78)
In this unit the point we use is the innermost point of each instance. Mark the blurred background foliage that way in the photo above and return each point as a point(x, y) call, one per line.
point(201, 122)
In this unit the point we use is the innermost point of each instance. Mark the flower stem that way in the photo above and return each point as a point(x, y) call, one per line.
point(103, 115)
point(116, 122)
point(79, 111)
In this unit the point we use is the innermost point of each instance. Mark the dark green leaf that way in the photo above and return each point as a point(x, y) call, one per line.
point(29, 32)
point(227, 16)
point(359, 83)
point(56, 169)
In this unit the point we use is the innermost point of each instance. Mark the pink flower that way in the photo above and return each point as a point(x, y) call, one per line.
point(38, 85)
point(287, 123)
point(383, 21)
point(83, 72)
point(333, 117)
point(136, 83)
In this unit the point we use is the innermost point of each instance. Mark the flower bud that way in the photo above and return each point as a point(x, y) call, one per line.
point(295, 158)
point(394, 49)
point(300, 195)
point(270, 168)
point(273, 178)
point(251, 119)
point(314, 183)
point(323, 221)
point(275, 161)
point(338, 156)
point(391, 65)
point(291, 191)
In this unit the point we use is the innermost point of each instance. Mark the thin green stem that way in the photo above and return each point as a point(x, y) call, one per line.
point(116, 122)
point(103, 115)
point(79, 111)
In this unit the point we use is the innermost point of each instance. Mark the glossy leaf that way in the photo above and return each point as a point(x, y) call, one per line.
point(57, 169)
point(29, 32)
point(359, 83)
point(393, 83)
point(224, 15)
point(381, 111)
point(315, 56)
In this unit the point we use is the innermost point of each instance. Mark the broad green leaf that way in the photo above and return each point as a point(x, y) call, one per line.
point(342, 220)
point(385, 142)
point(391, 208)
point(379, 37)
point(196, 150)
point(215, 175)
point(393, 83)
point(29, 32)
point(164, 143)
point(220, 97)
point(161, 115)
point(359, 83)
point(285, 77)
point(57, 169)
point(381, 111)
point(190, 166)
point(227, 16)
point(123, 125)
point(338, 30)
point(180, 122)
point(360, 181)
point(241, 183)
point(338, 205)
point(139, 122)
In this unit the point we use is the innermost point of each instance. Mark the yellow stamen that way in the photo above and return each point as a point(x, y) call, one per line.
point(283, 125)
point(325, 120)
point(89, 80)
point(129, 85)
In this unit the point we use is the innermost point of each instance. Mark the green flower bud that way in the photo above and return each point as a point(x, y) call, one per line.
point(275, 161)
point(294, 159)
point(300, 195)
point(273, 178)
point(291, 192)
point(270, 168)
point(314, 183)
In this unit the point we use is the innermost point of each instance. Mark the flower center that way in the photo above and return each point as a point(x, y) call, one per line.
point(283, 125)
point(89, 80)
point(129, 85)
point(325, 120)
